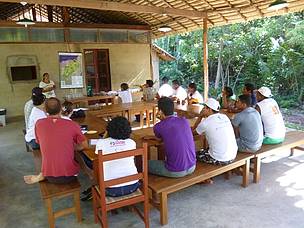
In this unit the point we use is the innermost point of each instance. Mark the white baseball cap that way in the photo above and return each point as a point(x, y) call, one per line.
point(265, 91)
point(213, 104)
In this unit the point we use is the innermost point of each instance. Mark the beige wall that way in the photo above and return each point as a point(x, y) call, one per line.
point(128, 63)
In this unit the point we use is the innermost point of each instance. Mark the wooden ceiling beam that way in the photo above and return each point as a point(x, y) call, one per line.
point(116, 6)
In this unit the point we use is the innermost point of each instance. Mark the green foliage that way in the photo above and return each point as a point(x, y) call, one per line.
point(266, 52)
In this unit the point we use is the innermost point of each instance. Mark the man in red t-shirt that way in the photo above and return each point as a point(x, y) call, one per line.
point(58, 139)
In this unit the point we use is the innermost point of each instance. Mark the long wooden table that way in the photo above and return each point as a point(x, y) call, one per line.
point(194, 110)
point(85, 99)
point(129, 109)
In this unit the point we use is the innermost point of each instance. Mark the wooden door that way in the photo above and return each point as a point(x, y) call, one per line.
point(97, 69)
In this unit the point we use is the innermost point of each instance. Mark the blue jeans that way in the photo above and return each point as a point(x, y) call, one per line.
point(33, 144)
point(158, 167)
point(123, 190)
point(114, 191)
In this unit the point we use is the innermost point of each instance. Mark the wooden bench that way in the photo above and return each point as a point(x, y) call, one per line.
point(164, 185)
point(51, 191)
point(293, 140)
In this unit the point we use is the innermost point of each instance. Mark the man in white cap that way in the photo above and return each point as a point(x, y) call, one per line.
point(274, 128)
point(219, 134)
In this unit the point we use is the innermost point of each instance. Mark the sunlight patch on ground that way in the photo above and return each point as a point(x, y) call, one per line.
point(293, 182)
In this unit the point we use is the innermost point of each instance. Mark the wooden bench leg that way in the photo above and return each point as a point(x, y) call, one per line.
point(246, 167)
point(256, 169)
point(77, 206)
point(51, 218)
point(227, 175)
point(163, 208)
point(291, 152)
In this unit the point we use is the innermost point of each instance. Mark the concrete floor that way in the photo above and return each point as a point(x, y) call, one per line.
point(277, 201)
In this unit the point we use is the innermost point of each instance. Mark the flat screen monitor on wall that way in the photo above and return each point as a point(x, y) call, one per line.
point(23, 73)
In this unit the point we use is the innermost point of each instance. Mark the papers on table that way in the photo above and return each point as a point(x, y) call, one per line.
point(93, 142)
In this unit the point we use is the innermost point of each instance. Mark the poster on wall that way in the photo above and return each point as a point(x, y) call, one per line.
point(70, 69)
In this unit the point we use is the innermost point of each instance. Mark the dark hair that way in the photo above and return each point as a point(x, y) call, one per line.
point(176, 82)
point(124, 86)
point(119, 128)
point(249, 87)
point(67, 108)
point(149, 83)
point(166, 105)
point(53, 106)
point(165, 79)
point(46, 73)
point(229, 91)
point(192, 86)
point(245, 99)
point(37, 96)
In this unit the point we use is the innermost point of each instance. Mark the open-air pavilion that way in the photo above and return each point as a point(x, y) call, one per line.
point(113, 40)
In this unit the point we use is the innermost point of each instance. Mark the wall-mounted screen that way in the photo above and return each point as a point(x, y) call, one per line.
point(23, 73)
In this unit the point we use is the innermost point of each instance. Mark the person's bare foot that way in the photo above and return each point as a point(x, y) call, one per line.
point(32, 179)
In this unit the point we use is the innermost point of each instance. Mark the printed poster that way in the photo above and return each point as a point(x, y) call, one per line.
point(70, 69)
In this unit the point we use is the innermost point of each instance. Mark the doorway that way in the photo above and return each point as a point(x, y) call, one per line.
point(97, 69)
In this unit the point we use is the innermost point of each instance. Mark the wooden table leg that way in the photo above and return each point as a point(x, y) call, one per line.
point(148, 117)
point(163, 208)
point(77, 205)
point(291, 152)
point(256, 169)
point(141, 123)
point(154, 115)
point(246, 167)
point(51, 218)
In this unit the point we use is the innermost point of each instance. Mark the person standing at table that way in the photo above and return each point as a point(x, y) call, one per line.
point(219, 134)
point(248, 126)
point(179, 93)
point(274, 127)
point(37, 113)
point(194, 97)
point(179, 149)
point(165, 90)
point(58, 139)
point(124, 94)
point(48, 86)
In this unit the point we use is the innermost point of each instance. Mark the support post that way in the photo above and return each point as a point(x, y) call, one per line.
point(205, 58)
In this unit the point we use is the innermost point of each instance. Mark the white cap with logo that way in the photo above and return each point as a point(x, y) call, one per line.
point(265, 91)
point(213, 104)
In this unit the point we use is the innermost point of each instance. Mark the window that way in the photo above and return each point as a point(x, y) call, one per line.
point(23, 73)
point(47, 35)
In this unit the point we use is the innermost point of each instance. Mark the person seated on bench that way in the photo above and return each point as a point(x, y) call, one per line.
point(165, 90)
point(37, 113)
point(28, 106)
point(194, 97)
point(67, 110)
point(274, 127)
point(248, 89)
point(175, 132)
point(57, 138)
point(148, 91)
point(219, 134)
point(179, 93)
point(117, 139)
point(226, 98)
point(247, 126)
point(124, 94)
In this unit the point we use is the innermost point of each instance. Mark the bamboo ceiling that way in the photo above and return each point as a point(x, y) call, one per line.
point(180, 15)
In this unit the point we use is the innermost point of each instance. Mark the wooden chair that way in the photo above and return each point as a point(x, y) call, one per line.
point(103, 204)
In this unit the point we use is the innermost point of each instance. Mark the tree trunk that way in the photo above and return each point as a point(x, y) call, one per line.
point(219, 66)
